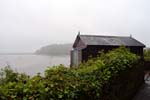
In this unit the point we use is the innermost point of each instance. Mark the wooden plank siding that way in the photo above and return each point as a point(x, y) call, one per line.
point(89, 46)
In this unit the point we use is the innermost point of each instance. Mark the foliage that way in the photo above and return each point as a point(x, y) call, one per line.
point(60, 83)
point(116, 61)
point(147, 54)
point(55, 49)
point(11, 84)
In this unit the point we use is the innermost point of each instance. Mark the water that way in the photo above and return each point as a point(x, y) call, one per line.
point(32, 64)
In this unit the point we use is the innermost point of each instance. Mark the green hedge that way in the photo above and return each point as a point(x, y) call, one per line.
point(147, 54)
point(87, 82)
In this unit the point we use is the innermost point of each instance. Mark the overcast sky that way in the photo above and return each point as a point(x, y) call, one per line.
point(26, 25)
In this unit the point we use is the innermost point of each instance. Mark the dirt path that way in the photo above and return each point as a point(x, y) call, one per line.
point(144, 92)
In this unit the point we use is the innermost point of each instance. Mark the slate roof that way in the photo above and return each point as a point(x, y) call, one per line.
point(110, 40)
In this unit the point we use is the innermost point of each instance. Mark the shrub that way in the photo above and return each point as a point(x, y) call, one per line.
point(147, 54)
point(85, 82)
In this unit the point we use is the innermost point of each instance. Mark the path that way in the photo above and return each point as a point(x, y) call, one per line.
point(144, 92)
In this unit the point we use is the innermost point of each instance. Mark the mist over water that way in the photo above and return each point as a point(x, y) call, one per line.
point(28, 25)
point(32, 64)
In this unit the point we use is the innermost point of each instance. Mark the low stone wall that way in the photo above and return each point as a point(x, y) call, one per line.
point(125, 85)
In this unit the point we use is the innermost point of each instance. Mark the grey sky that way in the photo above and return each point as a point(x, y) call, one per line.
point(26, 25)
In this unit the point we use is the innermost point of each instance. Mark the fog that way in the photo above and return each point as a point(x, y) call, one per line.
point(27, 25)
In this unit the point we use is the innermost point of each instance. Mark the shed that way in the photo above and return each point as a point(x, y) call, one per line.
point(90, 45)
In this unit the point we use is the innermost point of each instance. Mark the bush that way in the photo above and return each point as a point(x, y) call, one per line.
point(147, 54)
point(60, 83)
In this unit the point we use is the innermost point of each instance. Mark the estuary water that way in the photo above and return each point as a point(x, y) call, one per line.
point(32, 64)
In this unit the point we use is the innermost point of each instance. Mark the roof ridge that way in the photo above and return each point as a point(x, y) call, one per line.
point(110, 40)
point(103, 36)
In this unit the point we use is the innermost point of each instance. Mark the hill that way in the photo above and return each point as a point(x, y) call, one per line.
point(55, 49)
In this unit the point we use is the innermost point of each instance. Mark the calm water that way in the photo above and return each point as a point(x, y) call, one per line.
point(32, 64)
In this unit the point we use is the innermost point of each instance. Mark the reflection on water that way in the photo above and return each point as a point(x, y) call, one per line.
point(32, 64)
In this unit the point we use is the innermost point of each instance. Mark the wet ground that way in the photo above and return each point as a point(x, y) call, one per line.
point(144, 92)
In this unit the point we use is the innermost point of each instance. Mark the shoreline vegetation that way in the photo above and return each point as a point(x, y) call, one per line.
point(55, 50)
point(52, 50)
point(85, 82)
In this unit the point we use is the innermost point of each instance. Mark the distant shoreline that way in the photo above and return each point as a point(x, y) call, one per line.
point(55, 50)
point(32, 54)
point(17, 54)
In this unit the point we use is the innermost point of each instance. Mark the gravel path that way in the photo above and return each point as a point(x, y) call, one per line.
point(144, 92)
